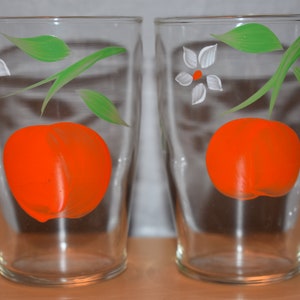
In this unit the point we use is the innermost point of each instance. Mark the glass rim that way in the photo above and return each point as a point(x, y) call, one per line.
point(225, 18)
point(112, 18)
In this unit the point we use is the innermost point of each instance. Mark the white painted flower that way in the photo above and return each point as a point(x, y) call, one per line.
point(4, 71)
point(205, 59)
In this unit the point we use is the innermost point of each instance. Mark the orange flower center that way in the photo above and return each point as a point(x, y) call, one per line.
point(197, 75)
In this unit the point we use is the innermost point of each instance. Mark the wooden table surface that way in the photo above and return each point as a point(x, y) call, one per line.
point(152, 275)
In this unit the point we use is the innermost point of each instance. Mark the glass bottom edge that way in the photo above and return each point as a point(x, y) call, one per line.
point(62, 281)
point(224, 278)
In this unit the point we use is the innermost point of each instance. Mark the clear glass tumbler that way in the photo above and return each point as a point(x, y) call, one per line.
point(69, 117)
point(228, 92)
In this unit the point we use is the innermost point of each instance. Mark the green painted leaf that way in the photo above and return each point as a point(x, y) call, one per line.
point(290, 56)
point(71, 72)
point(66, 75)
point(101, 106)
point(253, 38)
point(297, 73)
point(45, 47)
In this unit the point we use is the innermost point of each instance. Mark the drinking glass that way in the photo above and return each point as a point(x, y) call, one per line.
point(69, 117)
point(228, 89)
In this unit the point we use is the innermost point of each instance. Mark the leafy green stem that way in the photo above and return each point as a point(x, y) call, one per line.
point(275, 82)
point(288, 59)
point(262, 91)
point(66, 75)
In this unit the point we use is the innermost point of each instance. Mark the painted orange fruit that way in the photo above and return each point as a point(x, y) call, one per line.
point(57, 170)
point(251, 157)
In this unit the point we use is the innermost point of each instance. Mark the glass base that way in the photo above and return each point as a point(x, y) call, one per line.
point(252, 268)
point(72, 270)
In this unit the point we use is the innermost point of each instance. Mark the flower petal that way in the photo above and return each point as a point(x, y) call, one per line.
point(214, 83)
point(4, 71)
point(207, 56)
point(198, 93)
point(184, 79)
point(189, 58)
